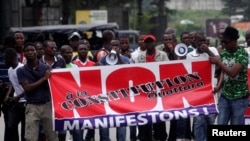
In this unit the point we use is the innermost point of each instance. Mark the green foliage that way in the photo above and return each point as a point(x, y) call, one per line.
point(237, 7)
point(199, 18)
point(145, 25)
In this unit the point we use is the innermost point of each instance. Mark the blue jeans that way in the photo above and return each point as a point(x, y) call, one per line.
point(231, 110)
point(120, 134)
point(77, 135)
point(200, 124)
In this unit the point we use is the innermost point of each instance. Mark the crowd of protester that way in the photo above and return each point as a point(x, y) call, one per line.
point(26, 98)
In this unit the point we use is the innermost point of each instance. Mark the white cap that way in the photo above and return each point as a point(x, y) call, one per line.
point(75, 34)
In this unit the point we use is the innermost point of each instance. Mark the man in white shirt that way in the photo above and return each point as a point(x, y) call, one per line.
point(17, 111)
point(202, 51)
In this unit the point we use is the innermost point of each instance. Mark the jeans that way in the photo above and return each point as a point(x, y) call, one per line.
point(16, 116)
point(200, 124)
point(120, 134)
point(231, 110)
point(77, 135)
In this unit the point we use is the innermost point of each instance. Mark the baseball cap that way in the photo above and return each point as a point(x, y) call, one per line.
point(152, 37)
point(74, 34)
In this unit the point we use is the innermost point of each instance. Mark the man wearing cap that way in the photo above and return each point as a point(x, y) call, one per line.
point(233, 101)
point(152, 55)
point(74, 40)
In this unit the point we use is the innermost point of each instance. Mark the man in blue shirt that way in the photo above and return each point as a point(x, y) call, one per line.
point(33, 77)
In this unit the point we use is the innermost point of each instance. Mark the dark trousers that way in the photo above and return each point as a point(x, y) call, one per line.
point(145, 132)
point(180, 129)
point(132, 136)
point(16, 116)
point(5, 110)
point(90, 135)
point(160, 131)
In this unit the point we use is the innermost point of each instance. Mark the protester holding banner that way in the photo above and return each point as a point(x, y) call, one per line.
point(67, 54)
point(202, 51)
point(233, 101)
point(152, 55)
point(125, 43)
point(54, 62)
point(107, 36)
point(180, 129)
point(118, 57)
point(121, 59)
point(134, 54)
point(33, 77)
point(168, 46)
point(140, 49)
point(82, 59)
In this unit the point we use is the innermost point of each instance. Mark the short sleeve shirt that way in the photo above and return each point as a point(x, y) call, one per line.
point(235, 88)
point(27, 73)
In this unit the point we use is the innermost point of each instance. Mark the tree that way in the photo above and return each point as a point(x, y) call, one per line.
point(237, 7)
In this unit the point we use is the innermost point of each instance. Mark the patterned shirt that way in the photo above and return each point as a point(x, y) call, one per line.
point(235, 88)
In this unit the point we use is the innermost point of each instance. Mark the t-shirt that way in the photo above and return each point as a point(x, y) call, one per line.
point(27, 73)
point(12, 73)
point(79, 63)
point(235, 88)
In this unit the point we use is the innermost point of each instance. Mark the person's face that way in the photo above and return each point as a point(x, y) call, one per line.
point(124, 42)
point(201, 43)
point(192, 37)
point(168, 42)
point(150, 44)
point(167, 39)
point(82, 51)
point(50, 49)
point(228, 44)
point(7, 60)
point(67, 55)
point(74, 42)
point(19, 38)
point(141, 41)
point(186, 39)
point(30, 53)
point(115, 46)
point(40, 50)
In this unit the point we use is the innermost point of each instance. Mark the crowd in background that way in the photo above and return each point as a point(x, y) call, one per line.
point(26, 97)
